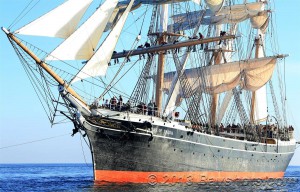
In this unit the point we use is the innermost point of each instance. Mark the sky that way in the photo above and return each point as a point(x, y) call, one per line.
point(22, 119)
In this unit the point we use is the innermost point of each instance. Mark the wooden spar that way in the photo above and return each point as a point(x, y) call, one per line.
point(167, 34)
point(252, 112)
point(217, 61)
point(160, 78)
point(44, 66)
point(163, 48)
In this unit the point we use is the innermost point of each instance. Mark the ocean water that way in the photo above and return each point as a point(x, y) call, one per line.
point(79, 177)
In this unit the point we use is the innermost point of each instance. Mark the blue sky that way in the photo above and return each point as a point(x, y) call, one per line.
point(22, 118)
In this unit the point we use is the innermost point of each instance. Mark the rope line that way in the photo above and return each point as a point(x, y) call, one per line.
point(34, 141)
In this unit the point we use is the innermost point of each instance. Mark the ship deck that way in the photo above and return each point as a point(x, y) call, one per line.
point(228, 134)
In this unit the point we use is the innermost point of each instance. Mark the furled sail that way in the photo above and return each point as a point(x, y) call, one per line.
point(82, 43)
point(214, 5)
point(98, 64)
point(232, 18)
point(227, 15)
point(238, 8)
point(250, 74)
point(259, 21)
point(60, 22)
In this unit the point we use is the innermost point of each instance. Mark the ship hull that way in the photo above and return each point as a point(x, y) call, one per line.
point(171, 155)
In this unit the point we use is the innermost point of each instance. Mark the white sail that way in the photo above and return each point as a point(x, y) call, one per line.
point(250, 74)
point(224, 105)
point(238, 8)
point(82, 43)
point(60, 22)
point(164, 18)
point(231, 18)
point(214, 5)
point(227, 15)
point(258, 21)
point(98, 64)
point(112, 20)
point(264, 27)
point(197, 1)
point(261, 105)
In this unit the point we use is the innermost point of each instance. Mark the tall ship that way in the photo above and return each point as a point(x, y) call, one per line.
point(164, 91)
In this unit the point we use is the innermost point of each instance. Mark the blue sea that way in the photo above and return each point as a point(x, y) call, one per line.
point(79, 177)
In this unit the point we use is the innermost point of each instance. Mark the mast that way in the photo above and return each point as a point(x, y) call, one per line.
point(44, 66)
point(217, 60)
point(257, 43)
point(258, 51)
point(161, 57)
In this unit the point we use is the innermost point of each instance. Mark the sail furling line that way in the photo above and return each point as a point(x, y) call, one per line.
point(98, 64)
point(81, 44)
point(60, 22)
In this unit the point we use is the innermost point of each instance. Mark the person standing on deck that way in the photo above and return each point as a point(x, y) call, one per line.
point(120, 102)
point(150, 108)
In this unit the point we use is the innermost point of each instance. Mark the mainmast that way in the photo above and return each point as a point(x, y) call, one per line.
point(161, 57)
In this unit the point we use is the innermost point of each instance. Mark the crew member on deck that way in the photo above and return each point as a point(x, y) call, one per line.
point(144, 108)
point(155, 109)
point(150, 108)
point(120, 104)
point(113, 103)
point(106, 105)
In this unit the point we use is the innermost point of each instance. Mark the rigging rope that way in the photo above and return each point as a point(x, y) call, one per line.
point(34, 141)
point(82, 149)
point(17, 19)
